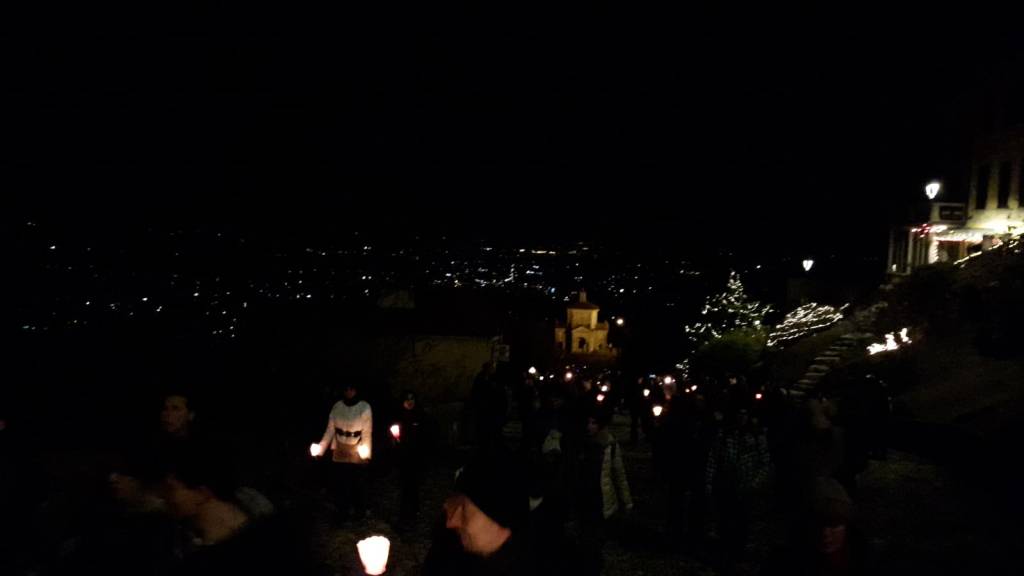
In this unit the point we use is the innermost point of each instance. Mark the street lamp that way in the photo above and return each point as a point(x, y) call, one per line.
point(932, 190)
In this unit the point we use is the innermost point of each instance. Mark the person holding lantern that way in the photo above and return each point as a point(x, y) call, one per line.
point(349, 436)
point(412, 434)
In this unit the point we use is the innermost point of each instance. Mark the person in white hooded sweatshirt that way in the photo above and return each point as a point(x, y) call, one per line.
point(349, 436)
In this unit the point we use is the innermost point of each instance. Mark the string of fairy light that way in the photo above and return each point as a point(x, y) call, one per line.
point(804, 320)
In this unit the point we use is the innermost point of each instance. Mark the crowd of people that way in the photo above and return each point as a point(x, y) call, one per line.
point(722, 449)
point(545, 503)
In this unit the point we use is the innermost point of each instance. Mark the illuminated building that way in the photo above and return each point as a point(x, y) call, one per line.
point(582, 334)
point(992, 214)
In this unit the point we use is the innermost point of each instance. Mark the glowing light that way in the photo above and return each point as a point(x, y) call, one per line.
point(669, 380)
point(532, 370)
point(396, 431)
point(373, 553)
point(54, 247)
point(568, 376)
point(932, 190)
point(758, 396)
point(541, 378)
point(600, 397)
point(647, 392)
point(619, 322)
point(315, 450)
point(808, 264)
point(145, 299)
point(364, 451)
point(890, 343)
point(657, 410)
point(693, 388)
point(604, 388)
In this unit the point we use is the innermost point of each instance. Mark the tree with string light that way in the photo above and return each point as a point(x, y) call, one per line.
point(726, 312)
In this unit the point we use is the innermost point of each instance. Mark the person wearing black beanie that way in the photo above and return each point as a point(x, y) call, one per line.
point(485, 520)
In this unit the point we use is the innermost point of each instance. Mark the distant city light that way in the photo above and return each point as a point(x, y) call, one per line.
point(600, 397)
point(604, 388)
point(145, 299)
point(808, 264)
point(758, 396)
point(568, 376)
point(619, 321)
point(657, 410)
point(647, 392)
point(532, 370)
point(932, 190)
point(669, 380)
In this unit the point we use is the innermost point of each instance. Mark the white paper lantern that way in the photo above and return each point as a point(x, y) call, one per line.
point(373, 553)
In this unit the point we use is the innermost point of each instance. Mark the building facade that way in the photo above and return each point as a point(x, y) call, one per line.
point(582, 333)
point(952, 231)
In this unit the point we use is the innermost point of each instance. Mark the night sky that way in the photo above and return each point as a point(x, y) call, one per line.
point(715, 124)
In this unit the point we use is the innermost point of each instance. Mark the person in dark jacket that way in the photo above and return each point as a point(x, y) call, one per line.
point(486, 521)
point(412, 433)
point(829, 543)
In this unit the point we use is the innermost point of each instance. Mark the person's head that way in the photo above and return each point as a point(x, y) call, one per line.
point(409, 400)
point(489, 503)
point(478, 532)
point(176, 414)
point(597, 422)
point(349, 391)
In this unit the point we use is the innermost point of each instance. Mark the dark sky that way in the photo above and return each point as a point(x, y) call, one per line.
point(708, 123)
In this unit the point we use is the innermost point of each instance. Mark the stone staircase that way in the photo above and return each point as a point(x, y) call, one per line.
point(846, 347)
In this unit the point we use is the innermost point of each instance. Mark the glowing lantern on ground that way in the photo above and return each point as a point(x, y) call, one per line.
point(373, 553)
